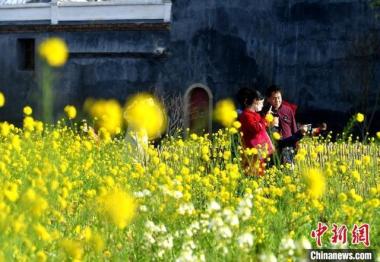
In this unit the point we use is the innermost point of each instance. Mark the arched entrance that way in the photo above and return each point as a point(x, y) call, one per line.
point(198, 109)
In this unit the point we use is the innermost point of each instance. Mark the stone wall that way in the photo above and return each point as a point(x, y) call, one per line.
point(325, 54)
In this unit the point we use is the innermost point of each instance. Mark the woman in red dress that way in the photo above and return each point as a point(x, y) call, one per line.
point(253, 127)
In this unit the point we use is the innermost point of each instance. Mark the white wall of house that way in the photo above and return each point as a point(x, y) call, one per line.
point(71, 11)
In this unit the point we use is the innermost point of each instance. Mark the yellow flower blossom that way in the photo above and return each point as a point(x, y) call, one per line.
point(236, 124)
point(42, 233)
point(5, 129)
point(276, 135)
point(359, 117)
point(54, 50)
point(41, 256)
point(38, 126)
point(11, 192)
point(342, 197)
point(355, 174)
point(343, 168)
point(225, 112)
point(269, 118)
point(107, 114)
point(71, 111)
point(2, 99)
point(27, 110)
point(232, 130)
point(28, 123)
point(144, 114)
point(73, 249)
point(316, 182)
point(119, 207)
point(366, 159)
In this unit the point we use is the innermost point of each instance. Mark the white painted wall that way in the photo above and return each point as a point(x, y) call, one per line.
point(64, 11)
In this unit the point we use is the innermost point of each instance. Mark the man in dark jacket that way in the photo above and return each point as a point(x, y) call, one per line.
point(282, 111)
point(284, 122)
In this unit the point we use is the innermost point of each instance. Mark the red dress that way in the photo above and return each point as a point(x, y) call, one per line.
point(255, 135)
point(253, 126)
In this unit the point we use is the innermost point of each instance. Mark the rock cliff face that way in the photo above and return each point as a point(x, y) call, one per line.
point(325, 55)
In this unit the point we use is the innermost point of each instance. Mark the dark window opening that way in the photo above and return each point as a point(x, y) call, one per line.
point(26, 54)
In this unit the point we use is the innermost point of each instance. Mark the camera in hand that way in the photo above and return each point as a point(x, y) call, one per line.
point(309, 129)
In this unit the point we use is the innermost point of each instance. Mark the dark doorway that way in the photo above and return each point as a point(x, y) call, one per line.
point(198, 109)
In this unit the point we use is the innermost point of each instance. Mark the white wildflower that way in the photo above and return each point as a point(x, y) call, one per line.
point(201, 257)
point(138, 194)
point(146, 192)
point(186, 208)
point(189, 232)
point(245, 241)
point(269, 257)
point(225, 232)
point(177, 194)
point(143, 208)
point(216, 223)
point(149, 238)
point(234, 221)
point(244, 213)
point(150, 225)
point(304, 243)
point(167, 243)
point(162, 228)
point(160, 253)
point(287, 244)
point(213, 206)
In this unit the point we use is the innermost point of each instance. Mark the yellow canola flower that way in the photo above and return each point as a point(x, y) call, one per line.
point(269, 118)
point(71, 111)
point(27, 110)
point(225, 112)
point(119, 207)
point(16, 142)
point(378, 134)
point(355, 174)
point(276, 135)
point(107, 114)
point(54, 50)
point(28, 123)
point(42, 233)
point(41, 256)
point(145, 115)
point(39, 126)
point(359, 117)
point(316, 182)
point(232, 130)
point(104, 135)
point(236, 124)
point(2, 99)
point(73, 249)
point(5, 129)
point(342, 197)
point(11, 192)
point(35, 203)
point(366, 160)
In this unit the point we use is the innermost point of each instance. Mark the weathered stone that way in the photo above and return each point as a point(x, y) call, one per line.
point(325, 54)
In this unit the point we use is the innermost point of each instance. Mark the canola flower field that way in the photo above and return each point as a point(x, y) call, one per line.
point(67, 194)
point(70, 192)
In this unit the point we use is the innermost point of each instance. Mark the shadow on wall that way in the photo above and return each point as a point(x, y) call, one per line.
point(227, 64)
point(217, 60)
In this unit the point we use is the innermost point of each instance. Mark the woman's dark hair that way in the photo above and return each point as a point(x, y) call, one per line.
point(273, 89)
point(246, 96)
